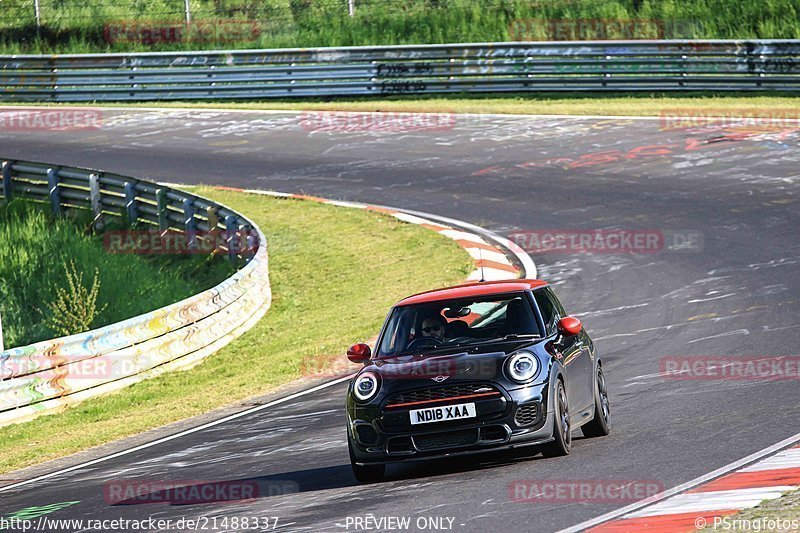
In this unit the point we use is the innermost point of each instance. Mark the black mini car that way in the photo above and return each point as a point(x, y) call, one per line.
point(469, 368)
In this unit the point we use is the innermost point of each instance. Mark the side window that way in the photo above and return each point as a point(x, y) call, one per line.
point(548, 310)
point(559, 308)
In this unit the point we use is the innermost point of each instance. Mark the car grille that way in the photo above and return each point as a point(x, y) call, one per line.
point(449, 439)
point(526, 414)
point(434, 394)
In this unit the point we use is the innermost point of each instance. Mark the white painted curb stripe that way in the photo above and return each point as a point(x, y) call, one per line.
point(628, 509)
point(712, 501)
point(786, 459)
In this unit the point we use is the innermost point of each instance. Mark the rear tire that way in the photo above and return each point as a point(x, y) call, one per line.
point(599, 426)
point(365, 473)
point(562, 429)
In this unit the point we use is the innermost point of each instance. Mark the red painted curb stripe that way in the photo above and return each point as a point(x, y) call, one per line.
point(226, 188)
point(485, 263)
point(471, 244)
point(671, 523)
point(434, 227)
point(751, 480)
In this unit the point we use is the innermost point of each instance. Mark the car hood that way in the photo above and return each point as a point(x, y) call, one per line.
point(467, 363)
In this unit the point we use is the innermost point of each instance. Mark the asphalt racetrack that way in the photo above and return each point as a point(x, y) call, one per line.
point(724, 281)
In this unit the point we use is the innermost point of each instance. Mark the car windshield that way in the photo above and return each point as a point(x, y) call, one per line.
point(431, 326)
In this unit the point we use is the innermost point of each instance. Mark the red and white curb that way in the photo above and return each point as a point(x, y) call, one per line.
point(491, 264)
point(699, 503)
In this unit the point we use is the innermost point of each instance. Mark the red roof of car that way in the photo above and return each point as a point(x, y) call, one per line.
point(479, 288)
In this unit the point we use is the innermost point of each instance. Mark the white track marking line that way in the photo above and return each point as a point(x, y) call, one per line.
point(628, 509)
point(176, 435)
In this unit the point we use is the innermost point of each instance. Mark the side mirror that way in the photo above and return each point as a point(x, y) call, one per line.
point(359, 353)
point(569, 326)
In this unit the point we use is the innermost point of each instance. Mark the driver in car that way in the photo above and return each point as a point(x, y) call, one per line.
point(433, 327)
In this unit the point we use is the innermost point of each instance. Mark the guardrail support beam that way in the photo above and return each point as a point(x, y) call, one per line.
point(161, 209)
point(53, 191)
point(95, 201)
point(130, 203)
point(231, 228)
point(8, 185)
point(189, 223)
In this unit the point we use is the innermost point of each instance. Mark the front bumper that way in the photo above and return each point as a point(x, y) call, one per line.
point(375, 443)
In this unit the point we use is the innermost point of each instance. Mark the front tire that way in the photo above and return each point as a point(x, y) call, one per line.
point(562, 429)
point(365, 473)
point(599, 425)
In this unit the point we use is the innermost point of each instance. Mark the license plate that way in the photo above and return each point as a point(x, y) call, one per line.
point(442, 414)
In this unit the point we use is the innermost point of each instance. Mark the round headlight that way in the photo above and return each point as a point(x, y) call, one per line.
point(365, 386)
point(522, 366)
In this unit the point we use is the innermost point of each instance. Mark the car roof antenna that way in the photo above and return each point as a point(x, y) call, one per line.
point(480, 261)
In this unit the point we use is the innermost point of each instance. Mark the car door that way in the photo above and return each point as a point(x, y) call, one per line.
point(574, 355)
point(585, 359)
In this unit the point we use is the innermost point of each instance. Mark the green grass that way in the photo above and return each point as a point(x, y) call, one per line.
point(78, 26)
point(34, 249)
point(334, 273)
point(623, 104)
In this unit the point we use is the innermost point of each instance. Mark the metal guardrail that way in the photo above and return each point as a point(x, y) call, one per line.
point(713, 65)
point(48, 375)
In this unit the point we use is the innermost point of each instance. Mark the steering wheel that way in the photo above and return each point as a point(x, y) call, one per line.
point(422, 342)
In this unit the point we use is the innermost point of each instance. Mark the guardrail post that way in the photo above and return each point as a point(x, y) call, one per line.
point(161, 209)
point(212, 236)
point(54, 192)
point(130, 203)
point(2, 348)
point(95, 201)
point(249, 240)
point(231, 228)
point(8, 186)
point(189, 223)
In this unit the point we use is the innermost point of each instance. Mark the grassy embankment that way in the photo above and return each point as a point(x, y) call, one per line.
point(38, 255)
point(334, 274)
point(77, 26)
